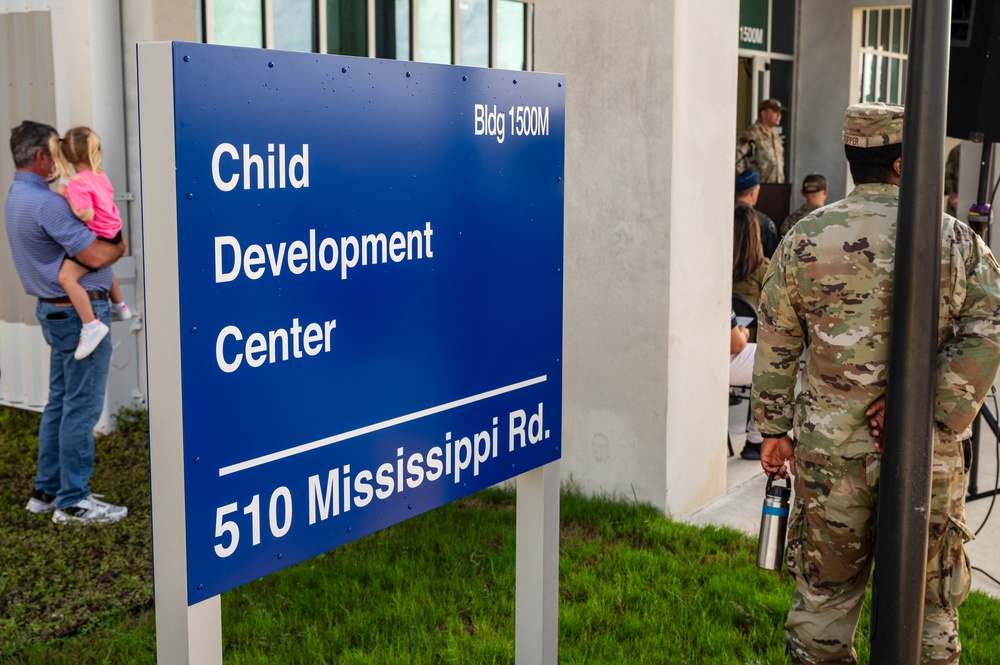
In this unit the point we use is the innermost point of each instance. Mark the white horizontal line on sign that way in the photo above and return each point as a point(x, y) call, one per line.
point(416, 415)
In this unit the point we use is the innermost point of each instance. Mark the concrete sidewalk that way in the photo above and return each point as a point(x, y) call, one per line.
point(740, 507)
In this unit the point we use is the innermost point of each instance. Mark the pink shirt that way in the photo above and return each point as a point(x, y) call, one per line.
point(93, 190)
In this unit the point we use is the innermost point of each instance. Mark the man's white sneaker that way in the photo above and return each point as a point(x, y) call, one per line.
point(89, 340)
point(90, 511)
point(41, 502)
point(121, 314)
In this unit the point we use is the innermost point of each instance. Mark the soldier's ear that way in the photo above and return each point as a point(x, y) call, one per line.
point(897, 165)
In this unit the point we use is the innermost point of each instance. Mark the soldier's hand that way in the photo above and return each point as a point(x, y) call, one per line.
point(877, 423)
point(774, 453)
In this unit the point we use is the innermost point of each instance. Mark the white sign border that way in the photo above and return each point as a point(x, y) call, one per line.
point(189, 635)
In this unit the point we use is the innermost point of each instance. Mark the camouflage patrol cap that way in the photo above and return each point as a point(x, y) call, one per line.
point(772, 105)
point(873, 124)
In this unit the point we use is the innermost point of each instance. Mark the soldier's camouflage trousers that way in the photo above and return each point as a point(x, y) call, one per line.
point(830, 550)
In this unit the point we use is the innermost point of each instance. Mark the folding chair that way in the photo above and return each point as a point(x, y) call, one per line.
point(746, 312)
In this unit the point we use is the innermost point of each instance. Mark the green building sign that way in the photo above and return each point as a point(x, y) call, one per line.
point(753, 24)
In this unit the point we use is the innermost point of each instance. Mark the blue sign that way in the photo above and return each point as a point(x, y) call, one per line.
point(370, 284)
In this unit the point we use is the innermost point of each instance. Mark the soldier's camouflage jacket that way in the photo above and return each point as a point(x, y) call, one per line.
point(829, 290)
point(952, 169)
point(761, 149)
point(794, 217)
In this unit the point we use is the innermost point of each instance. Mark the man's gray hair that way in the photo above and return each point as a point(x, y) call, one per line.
point(27, 139)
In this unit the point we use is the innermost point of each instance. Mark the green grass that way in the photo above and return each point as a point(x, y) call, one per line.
point(54, 579)
point(635, 587)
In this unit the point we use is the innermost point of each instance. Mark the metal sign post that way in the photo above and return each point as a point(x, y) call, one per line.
point(354, 304)
point(537, 597)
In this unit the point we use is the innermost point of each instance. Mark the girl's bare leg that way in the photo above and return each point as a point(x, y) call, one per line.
point(69, 278)
point(116, 293)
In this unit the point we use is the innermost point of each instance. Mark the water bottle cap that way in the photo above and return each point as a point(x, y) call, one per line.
point(780, 492)
point(777, 490)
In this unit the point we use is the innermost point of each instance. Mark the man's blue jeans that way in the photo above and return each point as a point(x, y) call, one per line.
point(76, 398)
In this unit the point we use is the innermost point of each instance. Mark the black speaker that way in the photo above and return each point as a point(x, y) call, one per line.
point(974, 71)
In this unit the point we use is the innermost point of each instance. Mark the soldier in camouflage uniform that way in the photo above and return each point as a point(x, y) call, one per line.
point(759, 147)
point(814, 190)
point(828, 291)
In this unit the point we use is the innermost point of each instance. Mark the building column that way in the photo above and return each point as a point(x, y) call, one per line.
point(651, 97)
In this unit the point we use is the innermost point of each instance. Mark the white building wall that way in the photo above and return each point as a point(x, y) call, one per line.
point(651, 97)
point(73, 63)
point(29, 92)
point(146, 21)
point(69, 72)
point(826, 71)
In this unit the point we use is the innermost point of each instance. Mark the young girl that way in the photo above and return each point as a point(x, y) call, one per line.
point(91, 197)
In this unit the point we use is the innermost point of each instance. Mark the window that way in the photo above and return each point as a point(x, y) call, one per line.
point(434, 31)
point(236, 22)
point(479, 33)
point(783, 26)
point(474, 33)
point(511, 21)
point(295, 25)
point(392, 29)
point(962, 14)
point(346, 27)
point(885, 37)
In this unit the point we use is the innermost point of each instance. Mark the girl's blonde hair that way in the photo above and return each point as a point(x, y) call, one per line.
point(80, 146)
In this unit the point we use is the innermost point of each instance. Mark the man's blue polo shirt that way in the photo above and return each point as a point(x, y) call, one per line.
point(42, 230)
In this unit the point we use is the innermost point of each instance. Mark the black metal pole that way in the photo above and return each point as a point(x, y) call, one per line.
point(982, 196)
point(983, 191)
point(904, 492)
point(982, 228)
point(973, 462)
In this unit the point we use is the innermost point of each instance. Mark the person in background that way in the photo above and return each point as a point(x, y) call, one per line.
point(747, 191)
point(830, 284)
point(42, 231)
point(951, 179)
point(741, 359)
point(749, 262)
point(814, 190)
point(759, 147)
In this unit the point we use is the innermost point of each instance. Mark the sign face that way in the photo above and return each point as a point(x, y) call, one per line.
point(370, 288)
point(753, 24)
